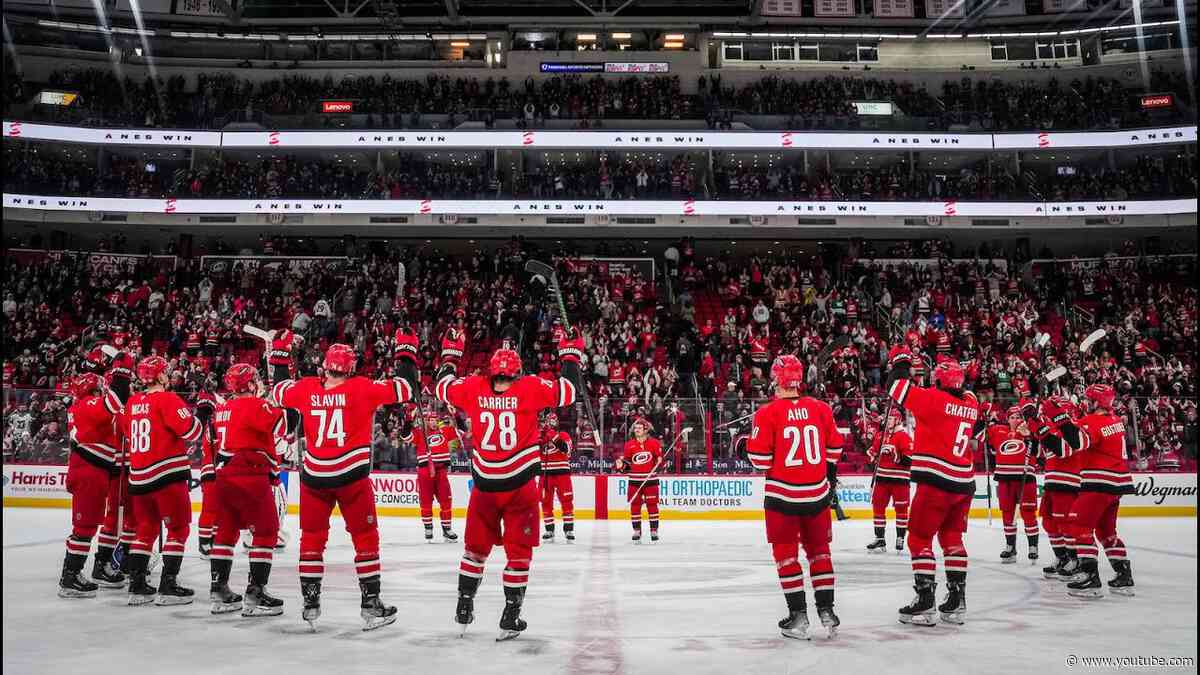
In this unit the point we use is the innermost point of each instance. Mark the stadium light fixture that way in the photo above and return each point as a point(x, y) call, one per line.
point(621, 36)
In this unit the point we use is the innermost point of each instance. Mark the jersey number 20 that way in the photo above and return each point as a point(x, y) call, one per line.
point(811, 438)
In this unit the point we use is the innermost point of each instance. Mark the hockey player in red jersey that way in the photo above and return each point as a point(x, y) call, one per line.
point(93, 479)
point(641, 459)
point(556, 477)
point(892, 455)
point(1098, 438)
point(503, 409)
point(1014, 469)
point(433, 472)
point(247, 432)
point(159, 427)
point(1060, 486)
point(796, 441)
point(943, 469)
point(338, 412)
point(281, 355)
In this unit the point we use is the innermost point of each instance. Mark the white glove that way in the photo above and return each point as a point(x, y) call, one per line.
point(286, 450)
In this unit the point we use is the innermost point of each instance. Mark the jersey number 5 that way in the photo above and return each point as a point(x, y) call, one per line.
point(811, 437)
point(962, 439)
point(329, 427)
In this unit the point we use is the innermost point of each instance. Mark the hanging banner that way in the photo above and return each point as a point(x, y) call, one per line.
point(833, 7)
point(220, 264)
point(619, 207)
point(1095, 139)
point(894, 9)
point(1063, 6)
point(98, 263)
point(1006, 8)
point(159, 137)
point(936, 9)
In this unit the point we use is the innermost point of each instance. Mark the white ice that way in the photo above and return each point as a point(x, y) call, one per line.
point(703, 600)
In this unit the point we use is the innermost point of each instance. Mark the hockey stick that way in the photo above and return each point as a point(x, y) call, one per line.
point(653, 472)
point(1092, 338)
point(264, 335)
point(541, 268)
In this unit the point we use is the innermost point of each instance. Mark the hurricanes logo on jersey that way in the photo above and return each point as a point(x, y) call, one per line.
point(1012, 447)
point(641, 457)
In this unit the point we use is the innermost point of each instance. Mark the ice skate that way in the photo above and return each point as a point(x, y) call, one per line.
point(448, 535)
point(795, 625)
point(570, 535)
point(954, 609)
point(1122, 584)
point(223, 600)
point(921, 610)
point(829, 620)
point(140, 592)
point(171, 593)
point(877, 546)
point(1052, 571)
point(260, 603)
point(1033, 556)
point(73, 585)
point(107, 575)
point(653, 536)
point(637, 536)
point(464, 614)
point(312, 602)
point(428, 534)
point(900, 545)
point(1088, 584)
point(511, 623)
point(1069, 570)
point(374, 613)
point(548, 535)
point(1009, 555)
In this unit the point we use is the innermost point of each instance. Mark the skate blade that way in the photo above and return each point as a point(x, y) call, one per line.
point(876, 551)
point(1007, 561)
point(429, 540)
point(225, 607)
point(831, 632)
point(378, 622)
point(1085, 593)
point(1126, 592)
point(172, 600)
point(955, 618)
point(929, 619)
point(72, 594)
point(262, 611)
point(1050, 576)
point(108, 584)
point(506, 635)
point(795, 634)
point(140, 599)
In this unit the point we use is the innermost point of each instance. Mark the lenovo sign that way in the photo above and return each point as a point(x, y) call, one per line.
point(337, 107)
point(1158, 101)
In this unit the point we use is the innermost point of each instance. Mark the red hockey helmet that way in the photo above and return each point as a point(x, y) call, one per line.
point(339, 359)
point(550, 421)
point(149, 368)
point(949, 374)
point(505, 363)
point(241, 378)
point(85, 384)
point(1102, 394)
point(787, 371)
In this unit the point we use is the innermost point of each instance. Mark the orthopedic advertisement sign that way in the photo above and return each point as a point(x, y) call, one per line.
point(590, 140)
point(688, 207)
point(697, 497)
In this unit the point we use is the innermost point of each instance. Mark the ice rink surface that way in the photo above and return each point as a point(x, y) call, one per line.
point(703, 600)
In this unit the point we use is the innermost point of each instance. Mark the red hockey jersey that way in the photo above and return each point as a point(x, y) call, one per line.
point(159, 426)
point(797, 443)
point(1013, 459)
point(895, 458)
point(338, 422)
point(92, 427)
point(641, 458)
point(1102, 455)
point(248, 425)
point(433, 445)
point(942, 439)
point(1062, 473)
point(505, 425)
point(556, 452)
